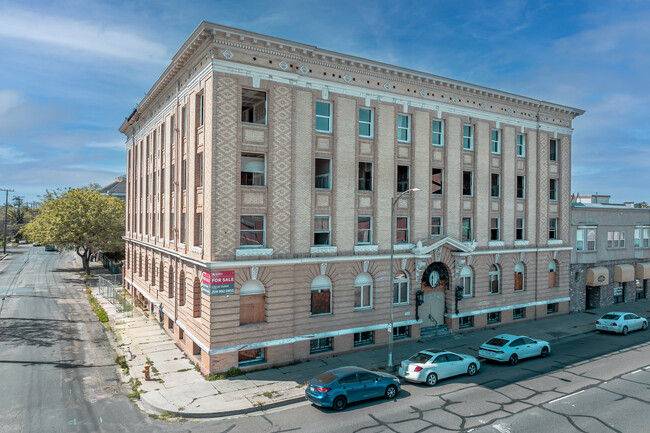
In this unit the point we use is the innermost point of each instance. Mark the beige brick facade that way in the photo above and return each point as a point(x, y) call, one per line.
point(179, 228)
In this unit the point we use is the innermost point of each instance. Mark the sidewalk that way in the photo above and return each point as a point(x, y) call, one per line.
point(177, 388)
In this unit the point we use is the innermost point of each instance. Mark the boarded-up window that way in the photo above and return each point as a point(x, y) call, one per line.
point(181, 289)
point(519, 277)
point(552, 274)
point(321, 291)
point(161, 275)
point(251, 303)
point(196, 298)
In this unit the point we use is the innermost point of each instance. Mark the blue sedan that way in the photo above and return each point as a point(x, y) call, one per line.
point(336, 388)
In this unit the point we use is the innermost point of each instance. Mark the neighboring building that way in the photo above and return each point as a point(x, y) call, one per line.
point(267, 168)
point(610, 261)
point(117, 188)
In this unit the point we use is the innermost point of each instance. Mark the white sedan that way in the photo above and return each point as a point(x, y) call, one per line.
point(621, 323)
point(428, 366)
point(512, 348)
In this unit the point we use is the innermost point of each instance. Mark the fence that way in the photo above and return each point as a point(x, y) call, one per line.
point(110, 287)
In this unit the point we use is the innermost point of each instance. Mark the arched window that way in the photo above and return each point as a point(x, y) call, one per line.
point(146, 268)
point(519, 277)
point(153, 271)
point(401, 288)
point(552, 274)
point(196, 297)
point(466, 280)
point(252, 302)
point(495, 275)
point(161, 275)
point(363, 291)
point(181, 289)
point(321, 295)
point(170, 291)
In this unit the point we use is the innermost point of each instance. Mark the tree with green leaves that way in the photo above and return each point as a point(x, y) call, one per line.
point(79, 219)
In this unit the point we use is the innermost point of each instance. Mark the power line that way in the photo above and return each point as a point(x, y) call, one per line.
point(4, 243)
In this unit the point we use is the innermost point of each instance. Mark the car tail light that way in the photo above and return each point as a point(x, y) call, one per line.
point(418, 368)
point(614, 324)
point(323, 390)
point(597, 322)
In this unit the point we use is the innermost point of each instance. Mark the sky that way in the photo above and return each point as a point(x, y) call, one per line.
point(71, 71)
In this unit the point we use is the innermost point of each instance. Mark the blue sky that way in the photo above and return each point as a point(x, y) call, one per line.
point(71, 71)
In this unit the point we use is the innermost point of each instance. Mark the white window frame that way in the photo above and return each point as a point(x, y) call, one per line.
point(439, 133)
point(642, 237)
point(553, 144)
point(495, 275)
point(329, 174)
point(256, 156)
point(553, 228)
point(582, 235)
point(471, 184)
point(470, 237)
point(369, 230)
point(371, 123)
point(553, 189)
point(521, 145)
point(440, 226)
point(523, 187)
point(328, 231)
point(407, 230)
point(263, 231)
point(498, 228)
point(467, 280)
point(495, 141)
point(325, 284)
point(468, 137)
point(321, 116)
point(498, 177)
point(616, 240)
point(406, 128)
point(523, 228)
point(397, 282)
point(363, 280)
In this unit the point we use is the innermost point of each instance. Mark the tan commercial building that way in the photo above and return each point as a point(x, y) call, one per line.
point(261, 174)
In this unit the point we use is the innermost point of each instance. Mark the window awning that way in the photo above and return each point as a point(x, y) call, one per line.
point(598, 276)
point(623, 273)
point(643, 271)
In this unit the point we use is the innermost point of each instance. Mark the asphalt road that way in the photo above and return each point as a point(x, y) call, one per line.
point(58, 374)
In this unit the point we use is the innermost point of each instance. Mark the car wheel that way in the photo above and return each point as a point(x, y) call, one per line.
point(624, 331)
point(644, 326)
point(391, 392)
point(544, 353)
point(514, 359)
point(432, 379)
point(339, 403)
point(471, 369)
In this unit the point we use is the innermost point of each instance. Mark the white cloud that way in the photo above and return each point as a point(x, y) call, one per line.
point(12, 156)
point(77, 35)
point(110, 145)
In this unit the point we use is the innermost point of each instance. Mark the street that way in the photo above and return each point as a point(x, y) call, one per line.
point(58, 373)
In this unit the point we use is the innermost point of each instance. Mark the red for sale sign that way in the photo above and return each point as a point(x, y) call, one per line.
point(217, 283)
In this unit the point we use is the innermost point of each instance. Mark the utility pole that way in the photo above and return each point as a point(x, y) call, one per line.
point(4, 243)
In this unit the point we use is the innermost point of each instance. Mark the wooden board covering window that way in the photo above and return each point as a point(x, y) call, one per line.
point(519, 281)
point(551, 279)
point(251, 309)
point(320, 302)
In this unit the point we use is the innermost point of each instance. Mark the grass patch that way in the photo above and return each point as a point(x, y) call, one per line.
point(121, 361)
point(269, 394)
point(97, 309)
point(258, 404)
point(183, 370)
point(135, 395)
point(232, 372)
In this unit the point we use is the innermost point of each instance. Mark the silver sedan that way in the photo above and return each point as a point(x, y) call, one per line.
point(621, 323)
point(428, 366)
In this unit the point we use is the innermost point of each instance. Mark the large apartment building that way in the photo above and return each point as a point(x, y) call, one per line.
point(261, 176)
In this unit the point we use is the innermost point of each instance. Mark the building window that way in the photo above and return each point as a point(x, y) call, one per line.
point(364, 338)
point(364, 230)
point(552, 191)
point(521, 145)
point(196, 296)
point(518, 313)
point(184, 174)
point(437, 133)
point(436, 226)
point(199, 103)
point(321, 295)
point(322, 230)
point(402, 230)
point(551, 308)
point(494, 229)
point(468, 183)
point(495, 190)
point(365, 176)
point(552, 274)
point(494, 275)
point(494, 317)
point(468, 137)
point(400, 332)
point(521, 186)
point(172, 129)
point(552, 150)
point(199, 169)
point(402, 178)
point(615, 239)
point(466, 322)
point(642, 237)
point(366, 122)
point(436, 181)
point(183, 226)
point(319, 345)
point(404, 128)
point(519, 277)
point(323, 116)
point(519, 229)
point(552, 228)
point(253, 169)
point(181, 289)
point(466, 280)
point(252, 303)
point(184, 121)
point(250, 356)
point(466, 234)
point(323, 173)
point(198, 230)
point(586, 239)
point(253, 106)
point(496, 141)
point(363, 291)
point(401, 289)
point(252, 233)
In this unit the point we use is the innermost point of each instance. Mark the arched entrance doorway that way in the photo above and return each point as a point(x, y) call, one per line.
point(435, 281)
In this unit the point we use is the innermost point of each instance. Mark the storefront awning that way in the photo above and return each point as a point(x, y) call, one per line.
point(623, 273)
point(597, 276)
point(643, 271)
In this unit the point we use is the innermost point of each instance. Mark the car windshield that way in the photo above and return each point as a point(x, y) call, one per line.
point(497, 342)
point(327, 377)
point(420, 358)
point(611, 316)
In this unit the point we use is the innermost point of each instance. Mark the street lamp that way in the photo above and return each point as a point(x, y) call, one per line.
point(392, 288)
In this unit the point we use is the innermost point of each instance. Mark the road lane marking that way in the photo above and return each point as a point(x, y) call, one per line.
point(566, 396)
point(636, 371)
point(501, 428)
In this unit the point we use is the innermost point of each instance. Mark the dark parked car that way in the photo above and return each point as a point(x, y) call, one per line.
point(50, 248)
point(336, 388)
